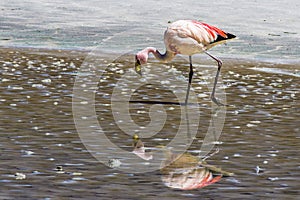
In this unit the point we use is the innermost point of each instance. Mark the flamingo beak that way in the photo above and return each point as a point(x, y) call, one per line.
point(137, 66)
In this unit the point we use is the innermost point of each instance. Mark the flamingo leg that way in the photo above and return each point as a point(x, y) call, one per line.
point(213, 98)
point(190, 80)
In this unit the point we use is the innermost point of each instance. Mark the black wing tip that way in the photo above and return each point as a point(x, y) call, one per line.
point(230, 36)
point(221, 38)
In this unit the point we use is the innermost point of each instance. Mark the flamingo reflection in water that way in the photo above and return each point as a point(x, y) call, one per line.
point(183, 172)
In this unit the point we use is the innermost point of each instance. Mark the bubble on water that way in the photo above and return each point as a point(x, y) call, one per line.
point(114, 163)
point(15, 87)
point(258, 170)
point(202, 95)
point(72, 65)
point(251, 125)
point(273, 155)
point(141, 112)
point(39, 86)
point(171, 108)
point(27, 152)
point(243, 96)
point(269, 103)
point(48, 80)
point(59, 169)
point(250, 86)
point(7, 63)
point(165, 82)
point(36, 172)
point(273, 178)
point(13, 104)
point(237, 155)
point(5, 80)
point(255, 122)
point(76, 173)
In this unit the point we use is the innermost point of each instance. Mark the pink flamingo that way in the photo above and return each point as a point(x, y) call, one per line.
point(187, 37)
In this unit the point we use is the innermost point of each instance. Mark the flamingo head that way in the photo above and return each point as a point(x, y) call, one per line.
point(140, 59)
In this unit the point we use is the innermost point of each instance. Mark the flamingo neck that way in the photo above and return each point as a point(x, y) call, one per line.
point(167, 56)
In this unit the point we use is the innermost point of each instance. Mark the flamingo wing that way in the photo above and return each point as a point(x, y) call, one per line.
point(188, 37)
point(203, 33)
point(208, 34)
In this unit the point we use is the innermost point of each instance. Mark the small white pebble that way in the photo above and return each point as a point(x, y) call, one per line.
point(113, 163)
point(251, 125)
point(237, 155)
point(255, 122)
point(273, 179)
point(202, 95)
point(48, 80)
point(269, 103)
point(20, 176)
point(28, 152)
point(76, 173)
point(5, 80)
point(257, 169)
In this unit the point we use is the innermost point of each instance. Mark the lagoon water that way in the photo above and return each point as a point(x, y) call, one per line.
point(47, 45)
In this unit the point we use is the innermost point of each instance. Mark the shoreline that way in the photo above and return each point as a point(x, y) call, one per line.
point(84, 52)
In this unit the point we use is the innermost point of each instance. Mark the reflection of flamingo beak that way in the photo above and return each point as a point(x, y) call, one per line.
point(137, 66)
point(139, 148)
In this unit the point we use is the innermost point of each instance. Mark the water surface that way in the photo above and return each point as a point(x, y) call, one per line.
point(259, 141)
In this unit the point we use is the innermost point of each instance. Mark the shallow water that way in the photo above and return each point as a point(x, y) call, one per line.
point(259, 141)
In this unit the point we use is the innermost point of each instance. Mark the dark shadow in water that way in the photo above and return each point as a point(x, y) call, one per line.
point(161, 102)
